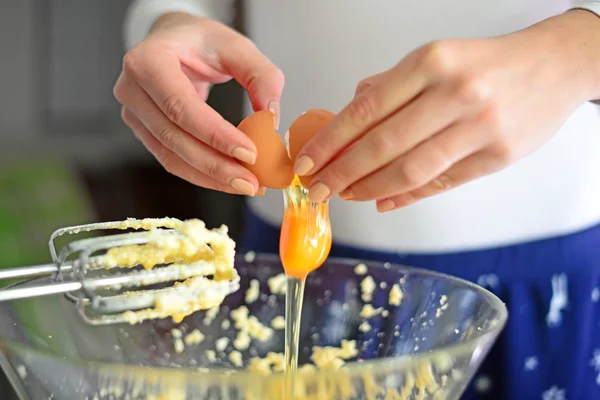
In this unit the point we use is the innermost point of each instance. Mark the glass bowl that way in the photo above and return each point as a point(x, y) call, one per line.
point(426, 341)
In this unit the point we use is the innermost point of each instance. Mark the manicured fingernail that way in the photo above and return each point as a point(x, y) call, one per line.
point(261, 191)
point(242, 186)
point(385, 206)
point(318, 192)
point(274, 107)
point(303, 165)
point(346, 194)
point(244, 155)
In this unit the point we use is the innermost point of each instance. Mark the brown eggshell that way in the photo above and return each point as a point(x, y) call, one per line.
point(303, 129)
point(273, 167)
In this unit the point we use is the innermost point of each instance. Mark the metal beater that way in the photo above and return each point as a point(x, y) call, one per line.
point(191, 266)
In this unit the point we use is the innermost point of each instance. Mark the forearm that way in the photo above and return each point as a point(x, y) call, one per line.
point(142, 14)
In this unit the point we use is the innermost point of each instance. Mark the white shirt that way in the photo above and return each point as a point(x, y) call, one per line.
point(326, 47)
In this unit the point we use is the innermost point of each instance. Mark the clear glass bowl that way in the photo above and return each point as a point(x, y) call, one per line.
point(427, 347)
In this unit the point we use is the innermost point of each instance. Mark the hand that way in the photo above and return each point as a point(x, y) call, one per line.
point(453, 111)
point(163, 88)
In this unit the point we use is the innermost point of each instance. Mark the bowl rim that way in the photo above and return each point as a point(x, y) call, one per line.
point(352, 368)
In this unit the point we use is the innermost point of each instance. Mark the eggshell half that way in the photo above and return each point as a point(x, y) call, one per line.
point(303, 129)
point(273, 167)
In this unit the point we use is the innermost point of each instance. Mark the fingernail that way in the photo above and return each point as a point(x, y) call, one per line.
point(318, 192)
point(303, 165)
point(346, 194)
point(242, 186)
point(385, 206)
point(244, 155)
point(261, 191)
point(274, 107)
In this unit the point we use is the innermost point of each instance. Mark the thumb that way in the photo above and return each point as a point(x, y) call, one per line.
point(264, 82)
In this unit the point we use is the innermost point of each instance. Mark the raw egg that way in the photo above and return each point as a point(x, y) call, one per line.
point(273, 167)
point(305, 237)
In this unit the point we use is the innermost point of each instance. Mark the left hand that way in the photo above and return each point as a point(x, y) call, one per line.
point(453, 111)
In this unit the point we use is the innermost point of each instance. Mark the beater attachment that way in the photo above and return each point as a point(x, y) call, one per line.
point(165, 268)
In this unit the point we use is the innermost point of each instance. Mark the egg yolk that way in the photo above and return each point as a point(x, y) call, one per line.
point(305, 239)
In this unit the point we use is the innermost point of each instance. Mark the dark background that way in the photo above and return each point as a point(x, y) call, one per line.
point(60, 59)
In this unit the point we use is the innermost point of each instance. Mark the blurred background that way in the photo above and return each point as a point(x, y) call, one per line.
point(65, 156)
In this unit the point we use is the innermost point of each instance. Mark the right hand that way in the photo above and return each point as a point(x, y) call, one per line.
point(163, 89)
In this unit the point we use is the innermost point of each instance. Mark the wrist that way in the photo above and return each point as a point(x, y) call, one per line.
point(571, 41)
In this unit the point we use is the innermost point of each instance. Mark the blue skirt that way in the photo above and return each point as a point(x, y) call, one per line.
point(550, 348)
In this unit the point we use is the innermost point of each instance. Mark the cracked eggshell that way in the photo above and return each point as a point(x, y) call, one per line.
point(273, 167)
point(303, 129)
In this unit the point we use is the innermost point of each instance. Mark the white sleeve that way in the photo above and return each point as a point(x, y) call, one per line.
point(142, 14)
point(592, 6)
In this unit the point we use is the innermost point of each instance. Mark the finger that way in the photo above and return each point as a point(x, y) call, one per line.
point(367, 109)
point(169, 160)
point(385, 142)
point(201, 86)
point(368, 82)
point(422, 164)
point(241, 59)
point(191, 150)
point(175, 95)
point(469, 169)
point(198, 69)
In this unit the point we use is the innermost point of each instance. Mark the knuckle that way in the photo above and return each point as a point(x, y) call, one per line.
point(363, 85)
point(214, 138)
point(405, 199)
point(166, 159)
point(131, 64)
point(471, 90)
point(440, 155)
point(276, 74)
point(381, 143)
point(169, 137)
point(174, 108)
point(502, 154)
point(119, 91)
point(411, 175)
point(335, 177)
point(211, 168)
point(362, 190)
point(258, 78)
point(501, 149)
point(242, 42)
point(493, 122)
point(127, 117)
point(442, 183)
point(139, 60)
point(438, 58)
point(362, 109)
point(139, 138)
